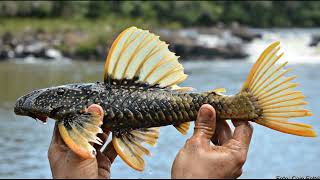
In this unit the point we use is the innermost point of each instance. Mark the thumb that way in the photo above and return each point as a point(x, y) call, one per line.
point(96, 109)
point(205, 124)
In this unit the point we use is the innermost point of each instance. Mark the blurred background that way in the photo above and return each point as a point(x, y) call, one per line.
point(49, 43)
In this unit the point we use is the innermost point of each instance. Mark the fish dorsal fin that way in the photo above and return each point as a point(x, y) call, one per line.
point(140, 56)
point(130, 148)
point(183, 128)
point(78, 131)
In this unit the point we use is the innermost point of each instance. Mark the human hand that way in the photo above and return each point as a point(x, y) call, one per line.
point(65, 163)
point(218, 156)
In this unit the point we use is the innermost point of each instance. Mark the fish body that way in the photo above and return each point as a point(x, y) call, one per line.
point(140, 93)
point(132, 107)
point(139, 107)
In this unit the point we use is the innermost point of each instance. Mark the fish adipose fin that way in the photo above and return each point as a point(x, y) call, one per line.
point(182, 89)
point(140, 57)
point(218, 91)
point(129, 145)
point(275, 95)
point(79, 131)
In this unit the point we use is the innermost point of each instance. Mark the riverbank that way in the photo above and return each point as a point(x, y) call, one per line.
point(85, 39)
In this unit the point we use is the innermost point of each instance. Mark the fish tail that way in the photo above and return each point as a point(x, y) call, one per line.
point(274, 95)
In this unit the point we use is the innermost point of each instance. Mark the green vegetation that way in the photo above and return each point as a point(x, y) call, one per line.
point(106, 24)
point(81, 36)
point(184, 13)
point(88, 27)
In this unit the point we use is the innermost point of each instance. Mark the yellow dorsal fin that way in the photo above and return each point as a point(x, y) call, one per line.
point(130, 148)
point(140, 55)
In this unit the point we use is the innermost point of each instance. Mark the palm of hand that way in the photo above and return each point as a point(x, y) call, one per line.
point(65, 163)
point(208, 156)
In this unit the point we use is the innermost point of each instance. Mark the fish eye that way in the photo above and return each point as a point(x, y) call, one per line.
point(60, 92)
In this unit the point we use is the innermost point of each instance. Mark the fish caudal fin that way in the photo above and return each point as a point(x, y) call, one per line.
point(275, 95)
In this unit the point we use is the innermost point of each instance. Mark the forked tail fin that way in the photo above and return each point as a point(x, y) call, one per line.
point(275, 95)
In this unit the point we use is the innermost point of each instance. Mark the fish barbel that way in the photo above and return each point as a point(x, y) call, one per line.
point(140, 93)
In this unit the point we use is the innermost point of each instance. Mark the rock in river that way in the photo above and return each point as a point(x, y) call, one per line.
point(315, 40)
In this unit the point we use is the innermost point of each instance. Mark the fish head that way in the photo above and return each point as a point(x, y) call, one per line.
point(55, 102)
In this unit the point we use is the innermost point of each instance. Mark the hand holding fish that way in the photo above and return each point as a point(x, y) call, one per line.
point(140, 93)
point(65, 163)
point(199, 158)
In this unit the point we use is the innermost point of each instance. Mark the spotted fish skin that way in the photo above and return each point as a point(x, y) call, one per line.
point(127, 108)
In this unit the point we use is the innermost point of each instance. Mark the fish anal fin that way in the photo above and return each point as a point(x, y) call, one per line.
point(130, 147)
point(183, 128)
point(127, 155)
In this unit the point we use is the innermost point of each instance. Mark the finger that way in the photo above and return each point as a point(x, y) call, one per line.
point(97, 109)
point(57, 146)
point(56, 138)
point(243, 133)
point(222, 133)
point(110, 152)
point(104, 166)
point(103, 136)
point(206, 123)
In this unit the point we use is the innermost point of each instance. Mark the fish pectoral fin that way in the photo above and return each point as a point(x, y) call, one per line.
point(183, 128)
point(79, 131)
point(129, 145)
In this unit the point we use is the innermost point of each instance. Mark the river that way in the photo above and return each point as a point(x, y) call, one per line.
point(24, 142)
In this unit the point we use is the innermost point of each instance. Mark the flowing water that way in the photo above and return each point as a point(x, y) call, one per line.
point(24, 142)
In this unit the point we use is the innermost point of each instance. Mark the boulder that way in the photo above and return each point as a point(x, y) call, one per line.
point(190, 44)
point(244, 33)
point(37, 44)
point(315, 40)
point(52, 53)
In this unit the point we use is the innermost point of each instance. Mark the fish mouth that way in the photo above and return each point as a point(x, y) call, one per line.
point(42, 118)
point(35, 116)
point(24, 107)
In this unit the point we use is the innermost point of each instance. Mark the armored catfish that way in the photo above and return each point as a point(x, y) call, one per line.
point(140, 93)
